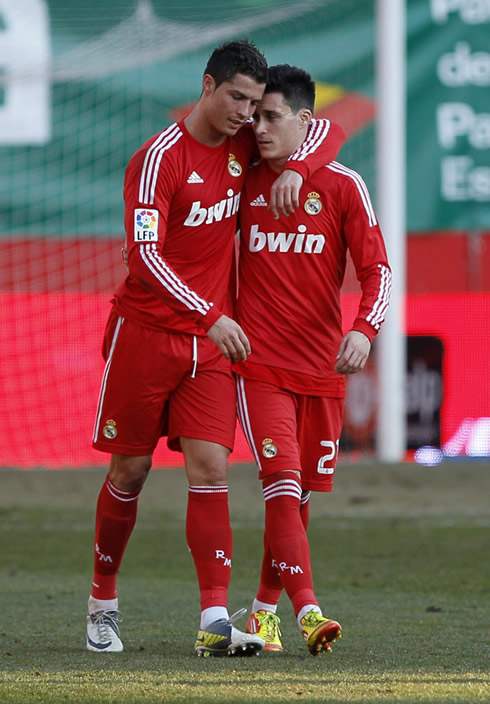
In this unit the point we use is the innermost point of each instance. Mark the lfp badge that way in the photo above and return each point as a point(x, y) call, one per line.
point(145, 225)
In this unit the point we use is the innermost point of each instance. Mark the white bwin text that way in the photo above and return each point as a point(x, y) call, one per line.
point(223, 209)
point(282, 242)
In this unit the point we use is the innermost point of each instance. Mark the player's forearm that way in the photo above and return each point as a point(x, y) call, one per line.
point(375, 299)
point(153, 272)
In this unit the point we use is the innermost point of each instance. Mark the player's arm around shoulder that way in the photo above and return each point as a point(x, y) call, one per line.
point(322, 144)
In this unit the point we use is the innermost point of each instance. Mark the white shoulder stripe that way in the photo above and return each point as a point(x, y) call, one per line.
point(149, 160)
point(162, 272)
point(376, 316)
point(361, 187)
point(316, 135)
point(149, 172)
point(156, 168)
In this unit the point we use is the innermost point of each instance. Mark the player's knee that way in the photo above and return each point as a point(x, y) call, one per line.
point(208, 470)
point(129, 473)
point(206, 463)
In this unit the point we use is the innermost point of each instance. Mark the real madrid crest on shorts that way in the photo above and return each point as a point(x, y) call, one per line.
point(313, 204)
point(110, 431)
point(233, 166)
point(268, 448)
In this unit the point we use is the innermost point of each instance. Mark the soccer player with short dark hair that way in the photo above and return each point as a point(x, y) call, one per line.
point(291, 387)
point(170, 338)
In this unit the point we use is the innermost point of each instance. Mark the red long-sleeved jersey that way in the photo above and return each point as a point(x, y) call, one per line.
point(181, 204)
point(291, 271)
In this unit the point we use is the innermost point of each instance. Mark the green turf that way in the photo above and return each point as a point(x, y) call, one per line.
point(409, 587)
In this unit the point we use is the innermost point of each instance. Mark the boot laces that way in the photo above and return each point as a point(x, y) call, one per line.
point(312, 618)
point(106, 623)
point(270, 622)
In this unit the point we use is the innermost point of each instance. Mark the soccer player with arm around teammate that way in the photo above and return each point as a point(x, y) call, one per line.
point(169, 339)
point(291, 387)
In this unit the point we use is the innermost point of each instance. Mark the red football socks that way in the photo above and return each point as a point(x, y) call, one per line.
point(114, 522)
point(270, 587)
point(289, 551)
point(209, 538)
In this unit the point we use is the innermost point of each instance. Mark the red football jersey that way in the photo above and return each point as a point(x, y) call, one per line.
point(291, 271)
point(181, 204)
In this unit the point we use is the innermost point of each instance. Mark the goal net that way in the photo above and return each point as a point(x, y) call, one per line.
point(82, 86)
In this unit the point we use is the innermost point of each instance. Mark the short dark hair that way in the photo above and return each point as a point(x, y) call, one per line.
point(239, 56)
point(296, 86)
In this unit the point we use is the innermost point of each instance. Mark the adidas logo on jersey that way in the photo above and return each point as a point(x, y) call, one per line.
point(195, 178)
point(260, 200)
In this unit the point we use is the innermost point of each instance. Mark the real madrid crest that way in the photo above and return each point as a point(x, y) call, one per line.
point(110, 430)
point(268, 448)
point(312, 204)
point(233, 166)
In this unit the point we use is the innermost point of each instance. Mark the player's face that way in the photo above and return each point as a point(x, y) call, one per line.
point(232, 103)
point(279, 131)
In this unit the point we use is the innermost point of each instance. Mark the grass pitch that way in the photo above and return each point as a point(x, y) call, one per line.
point(400, 557)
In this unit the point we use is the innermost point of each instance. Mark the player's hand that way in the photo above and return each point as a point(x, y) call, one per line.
point(230, 338)
point(284, 196)
point(353, 353)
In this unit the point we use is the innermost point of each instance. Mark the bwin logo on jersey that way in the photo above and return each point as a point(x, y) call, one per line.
point(225, 208)
point(298, 242)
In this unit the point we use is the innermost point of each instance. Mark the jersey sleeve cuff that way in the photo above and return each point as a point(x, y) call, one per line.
point(301, 167)
point(210, 318)
point(366, 328)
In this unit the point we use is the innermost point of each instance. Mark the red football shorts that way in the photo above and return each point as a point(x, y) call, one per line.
point(286, 430)
point(159, 383)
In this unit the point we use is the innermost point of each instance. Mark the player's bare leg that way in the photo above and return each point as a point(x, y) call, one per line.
point(209, 538)
point(128, 472)
point(114, 523)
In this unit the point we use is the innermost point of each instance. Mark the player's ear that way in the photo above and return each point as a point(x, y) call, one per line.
point(208, 84)
point(304, 117)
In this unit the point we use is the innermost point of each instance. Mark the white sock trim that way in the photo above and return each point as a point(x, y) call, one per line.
point(95, 605)
point(263, 606)
point(213, 613)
